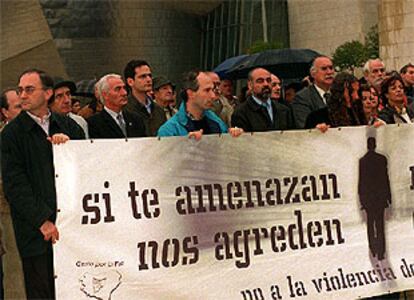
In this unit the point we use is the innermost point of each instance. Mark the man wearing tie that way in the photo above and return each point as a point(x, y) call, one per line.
point(314, 97)
point(259, 112)
point(113, 121)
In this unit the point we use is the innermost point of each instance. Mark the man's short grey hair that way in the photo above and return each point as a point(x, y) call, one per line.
point(313, 67)
point(367, 66)
point(103, 86)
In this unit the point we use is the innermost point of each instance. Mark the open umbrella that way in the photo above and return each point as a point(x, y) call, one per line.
point(226, 65)
point(284, 63)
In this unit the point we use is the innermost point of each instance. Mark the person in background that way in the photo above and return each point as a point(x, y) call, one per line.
point(76, 106)
point(407, 74)
point(226, 89)
point(396, 110)
point(61, 102)
point(374, 73)
point(11, 105)
point(276, 86)
point(164, 95)
point(138, 77)
point(221, 105)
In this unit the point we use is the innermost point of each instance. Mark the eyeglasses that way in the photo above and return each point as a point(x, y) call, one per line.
point(28, 90)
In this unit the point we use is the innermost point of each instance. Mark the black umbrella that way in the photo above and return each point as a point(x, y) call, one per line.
point(226, 65)
point(284, 63)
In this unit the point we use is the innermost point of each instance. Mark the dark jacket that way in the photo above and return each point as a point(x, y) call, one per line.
point(323, 116)
point(305, 102)
point(152, 121)
point(387, 114)
point(29, 179)
point(253, 117)
point(103, 126)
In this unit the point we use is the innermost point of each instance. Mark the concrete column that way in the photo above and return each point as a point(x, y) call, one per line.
point(396, 27)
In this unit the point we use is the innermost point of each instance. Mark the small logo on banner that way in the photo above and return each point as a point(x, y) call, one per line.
point(100, 286)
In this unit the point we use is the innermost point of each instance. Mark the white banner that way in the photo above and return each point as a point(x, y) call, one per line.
point(264, 216)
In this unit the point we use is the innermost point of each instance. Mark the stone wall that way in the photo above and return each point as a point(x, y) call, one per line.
point(396, 32)
point(100, 36)
point(26, 41)
point(323, 25)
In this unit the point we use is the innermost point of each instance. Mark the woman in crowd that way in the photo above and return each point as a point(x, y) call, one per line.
point(392, 93)
point(369, 105)
point(341, 107)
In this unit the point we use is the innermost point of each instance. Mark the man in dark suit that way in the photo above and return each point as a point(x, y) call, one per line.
point(259, 112)
point(375, 195)
point(29, 179)
point(314, 97)
point(114, 121)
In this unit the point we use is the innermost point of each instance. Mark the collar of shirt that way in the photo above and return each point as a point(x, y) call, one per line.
point(321, 92)
point(400, 117)
point(42, 122)
point(267, 104)
point(191, 117)
point(113, 114)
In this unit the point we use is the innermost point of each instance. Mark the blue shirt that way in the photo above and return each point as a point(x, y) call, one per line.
point(267, 104)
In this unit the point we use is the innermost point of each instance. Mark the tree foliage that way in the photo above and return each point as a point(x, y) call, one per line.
point(259, 46)
point(351, 55)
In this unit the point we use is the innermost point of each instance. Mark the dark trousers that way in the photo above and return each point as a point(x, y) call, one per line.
point(376, 236)
point(38, 276)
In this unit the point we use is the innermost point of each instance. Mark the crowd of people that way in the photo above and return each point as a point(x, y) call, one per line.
point(41, 111)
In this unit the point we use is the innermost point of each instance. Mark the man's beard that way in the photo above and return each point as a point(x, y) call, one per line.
point(264, 94)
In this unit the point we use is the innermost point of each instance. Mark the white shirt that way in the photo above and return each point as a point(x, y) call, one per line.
point(81, 122)
point(321, 92)
point(114, 115)
point(42, 122)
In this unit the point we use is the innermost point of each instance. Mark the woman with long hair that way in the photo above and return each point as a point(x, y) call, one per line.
point(368, 105)
point(341, 109)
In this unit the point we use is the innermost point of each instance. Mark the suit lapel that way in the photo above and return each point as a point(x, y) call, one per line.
point(128, 122)
point(110, 122)
point(317, 99)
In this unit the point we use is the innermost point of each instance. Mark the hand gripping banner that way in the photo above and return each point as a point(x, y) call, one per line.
point(279, 215)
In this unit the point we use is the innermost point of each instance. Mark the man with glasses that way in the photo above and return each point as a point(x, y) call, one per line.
point(28, 178)
point(315, 96)
point(259, 112)
point(138, 77)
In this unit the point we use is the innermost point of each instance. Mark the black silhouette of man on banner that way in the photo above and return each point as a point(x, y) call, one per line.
point(375, 195)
